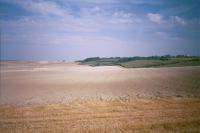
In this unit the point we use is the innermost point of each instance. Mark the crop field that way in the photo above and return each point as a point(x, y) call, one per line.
point(67, 97)
point(164, 115)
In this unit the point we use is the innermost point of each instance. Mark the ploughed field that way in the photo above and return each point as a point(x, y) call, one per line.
point(67, 97)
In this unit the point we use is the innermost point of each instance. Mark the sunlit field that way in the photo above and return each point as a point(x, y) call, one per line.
point(99, 66)
point(67, 97)
point(160, 115)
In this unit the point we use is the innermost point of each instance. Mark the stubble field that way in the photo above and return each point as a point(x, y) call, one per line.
point(67, 97)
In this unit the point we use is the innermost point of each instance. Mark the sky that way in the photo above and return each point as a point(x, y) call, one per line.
point(77, 29)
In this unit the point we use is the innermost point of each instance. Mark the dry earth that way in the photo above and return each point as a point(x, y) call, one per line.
point(66, 97)
point(39, 83)
point(156, 116)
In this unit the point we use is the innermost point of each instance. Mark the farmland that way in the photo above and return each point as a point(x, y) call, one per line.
point(68, 97)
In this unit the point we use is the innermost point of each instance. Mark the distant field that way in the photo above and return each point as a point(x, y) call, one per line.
point(35, 82)
point(142, 62)
point(67, 97)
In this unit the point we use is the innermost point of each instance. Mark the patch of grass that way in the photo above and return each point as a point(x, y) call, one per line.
point(140, 62)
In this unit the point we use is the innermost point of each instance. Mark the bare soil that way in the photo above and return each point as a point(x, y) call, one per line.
point(43, 82)
point(55, 97)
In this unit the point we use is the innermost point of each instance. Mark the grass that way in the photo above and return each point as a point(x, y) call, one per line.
point(150, 115)
point(174, 62)
point(141, 62)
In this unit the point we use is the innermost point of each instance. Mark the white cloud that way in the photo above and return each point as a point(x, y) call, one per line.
point(121, 17)
point(177, 20)
point(159, 19)
point(122, 14)
point(91, 12)
point(150, 2)
point(155, 17)
point(86, 20)
point(43, 7)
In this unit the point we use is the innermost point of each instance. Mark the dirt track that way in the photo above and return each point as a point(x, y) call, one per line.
point(42, 82)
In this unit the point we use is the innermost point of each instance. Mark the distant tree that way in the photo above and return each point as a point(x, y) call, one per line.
point(180, 56)
point(91, 59)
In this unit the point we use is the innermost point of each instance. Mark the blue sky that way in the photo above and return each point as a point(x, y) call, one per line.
point(76, 29)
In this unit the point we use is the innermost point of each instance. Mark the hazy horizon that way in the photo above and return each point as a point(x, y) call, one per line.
point(77, 29)
point(71, 60)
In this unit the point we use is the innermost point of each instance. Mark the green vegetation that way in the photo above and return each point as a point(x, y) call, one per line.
point(140, 62)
